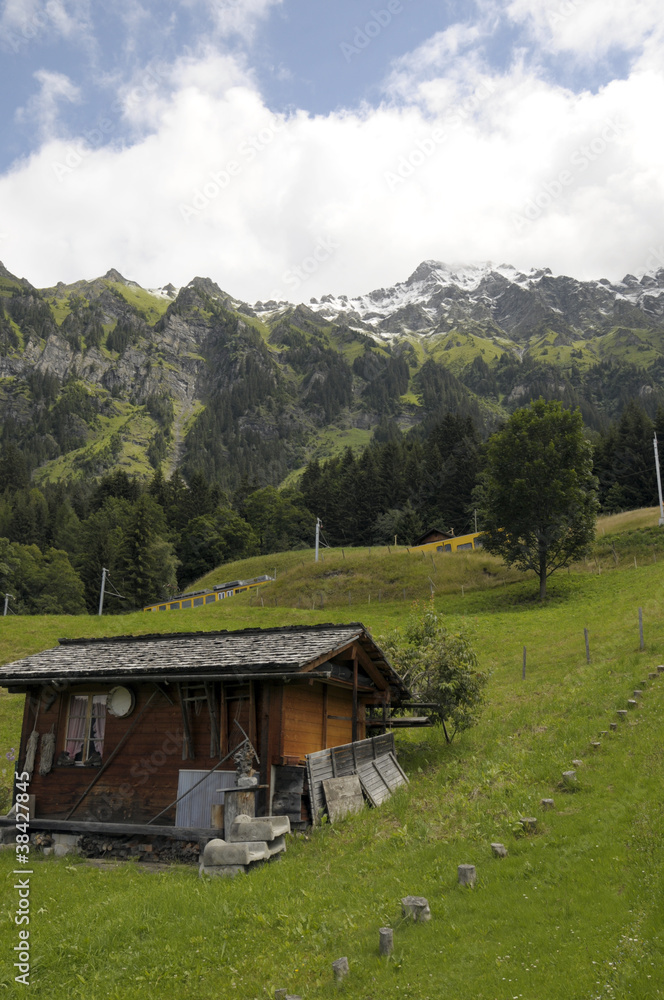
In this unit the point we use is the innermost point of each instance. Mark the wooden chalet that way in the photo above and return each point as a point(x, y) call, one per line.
point(126, 726)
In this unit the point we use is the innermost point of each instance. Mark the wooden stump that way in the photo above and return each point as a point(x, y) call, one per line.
point(529, 824)
point(614, 726)
point(652, 676)
point(569, 777)
point(499, 850)
point(237, 802)
point(467, 875)
point(632, 703)
point(622, 712)
point(660, 669)
point(386, 942)
point(340, 969)
point(596, 745)
point(547, 804)
point(417, 908)
point(638, 693)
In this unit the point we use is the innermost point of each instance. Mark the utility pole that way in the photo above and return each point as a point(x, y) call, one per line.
point(104, 571)
point(659, 485)
point(318, 527)
point(476, 521)
point(7, 596)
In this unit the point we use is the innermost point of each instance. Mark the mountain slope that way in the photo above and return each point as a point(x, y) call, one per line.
point(103, 373)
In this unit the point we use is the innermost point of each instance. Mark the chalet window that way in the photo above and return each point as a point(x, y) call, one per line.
point(86, 726)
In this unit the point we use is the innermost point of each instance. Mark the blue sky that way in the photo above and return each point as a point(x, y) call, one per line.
point(232, 137)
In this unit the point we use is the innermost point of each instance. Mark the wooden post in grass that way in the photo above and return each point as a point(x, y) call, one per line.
point(386, 942)
point(643, 646)
point(523, 673)
point(586, 637)
point(635, 566)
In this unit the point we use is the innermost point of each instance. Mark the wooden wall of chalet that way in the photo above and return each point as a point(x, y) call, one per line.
point(316, 717)
point(284, 722)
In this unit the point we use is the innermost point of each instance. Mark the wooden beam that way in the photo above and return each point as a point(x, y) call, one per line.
point(215, 749)
point(324, 747)
point(223, 722)
point(188, 748)
point(120, 829)
point(324, 657)
point(354, 728)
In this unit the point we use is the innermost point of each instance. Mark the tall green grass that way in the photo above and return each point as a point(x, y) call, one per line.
point(574, 911)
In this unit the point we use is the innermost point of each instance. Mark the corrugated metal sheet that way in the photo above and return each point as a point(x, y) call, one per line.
point(196, 808)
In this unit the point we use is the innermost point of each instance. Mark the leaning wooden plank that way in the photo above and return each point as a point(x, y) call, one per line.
point(343, 797)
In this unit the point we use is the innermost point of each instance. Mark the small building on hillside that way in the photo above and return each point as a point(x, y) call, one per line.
point(433, 535)
point(115, 730)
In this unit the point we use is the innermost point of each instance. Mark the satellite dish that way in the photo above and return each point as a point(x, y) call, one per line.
point(120, 702)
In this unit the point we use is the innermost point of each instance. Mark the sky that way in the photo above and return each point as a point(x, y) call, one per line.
point(291, 148)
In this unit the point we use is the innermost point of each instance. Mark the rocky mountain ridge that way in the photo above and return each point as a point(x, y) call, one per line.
point(103, 372)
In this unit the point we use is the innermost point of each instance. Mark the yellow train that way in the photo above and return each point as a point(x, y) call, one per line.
point(199, 598)
point(457, 543)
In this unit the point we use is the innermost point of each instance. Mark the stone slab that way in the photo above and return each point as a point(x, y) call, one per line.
point(256, 828)
point(227, 871)
point(218, 852)
point(343, 797)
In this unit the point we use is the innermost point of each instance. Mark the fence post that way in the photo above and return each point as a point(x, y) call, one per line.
point(585, 635)
point(523, 673)
point(643, 646)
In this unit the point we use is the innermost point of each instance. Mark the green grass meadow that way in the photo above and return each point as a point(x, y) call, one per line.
point(576, 910)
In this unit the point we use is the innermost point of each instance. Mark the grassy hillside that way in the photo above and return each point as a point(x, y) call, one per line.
point(575, 910)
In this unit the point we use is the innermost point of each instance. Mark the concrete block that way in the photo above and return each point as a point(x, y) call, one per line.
point(218, 852)
point(227, 871)
point(266, 828)
point(67, 839)
point(416, 907)
point(276, 846)
point(8, 835)
point(62, 850)
point(48, 851)
point(467, 875)
point(499, 850)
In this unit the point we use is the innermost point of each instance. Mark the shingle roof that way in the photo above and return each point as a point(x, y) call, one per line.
point(214, 654)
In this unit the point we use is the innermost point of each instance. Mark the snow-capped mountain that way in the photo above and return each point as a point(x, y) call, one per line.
point(502, 300)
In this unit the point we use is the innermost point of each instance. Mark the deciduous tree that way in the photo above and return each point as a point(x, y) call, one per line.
point(537, 497)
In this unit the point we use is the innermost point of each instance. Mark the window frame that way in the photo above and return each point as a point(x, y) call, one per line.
point(88, 739)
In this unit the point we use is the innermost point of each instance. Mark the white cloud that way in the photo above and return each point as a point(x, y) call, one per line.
point(458, 163)
point(235, 17)
point(588, 28)
point(43, 108)
point(22, 21)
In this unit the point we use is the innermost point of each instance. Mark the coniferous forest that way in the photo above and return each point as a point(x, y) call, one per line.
point(156, 536)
